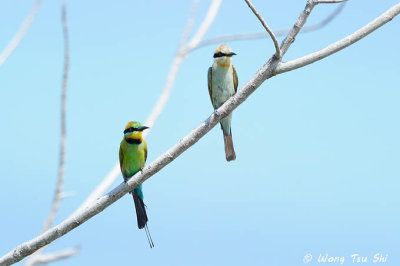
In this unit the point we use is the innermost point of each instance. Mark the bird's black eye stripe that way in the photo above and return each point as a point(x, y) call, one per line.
point(130, 129)
point(219, 54)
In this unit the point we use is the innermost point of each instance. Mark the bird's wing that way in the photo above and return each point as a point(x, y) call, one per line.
point(235, 79)
point(121, 157)
point(210, 82)
point(145, 151)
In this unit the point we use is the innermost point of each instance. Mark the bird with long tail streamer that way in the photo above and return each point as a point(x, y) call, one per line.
point(132, 158)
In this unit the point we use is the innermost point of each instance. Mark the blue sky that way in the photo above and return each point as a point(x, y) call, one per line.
point(317, 167)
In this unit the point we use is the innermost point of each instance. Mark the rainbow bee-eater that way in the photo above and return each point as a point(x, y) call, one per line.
point(132, 158)
point(222, 84)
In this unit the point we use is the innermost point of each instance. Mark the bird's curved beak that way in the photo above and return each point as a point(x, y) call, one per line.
point(231, 54)
point(142, 128)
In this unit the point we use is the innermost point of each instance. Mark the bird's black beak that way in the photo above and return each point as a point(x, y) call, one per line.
point(142, 128)
point(231, 54)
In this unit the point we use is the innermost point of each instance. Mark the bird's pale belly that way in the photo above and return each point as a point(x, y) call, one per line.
point(222, 87)
point(220, 95)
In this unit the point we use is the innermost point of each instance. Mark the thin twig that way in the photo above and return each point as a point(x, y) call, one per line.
point(267, 71)
point(267, 28)
point(166, 92)
point(297, 27)
point(260, 35)
point(341, 44)
point(61, 167)
point(20, 33)
point(205, 25)
point(38, 257)
point(56, 256)
point(325, 21)
point(189, 24)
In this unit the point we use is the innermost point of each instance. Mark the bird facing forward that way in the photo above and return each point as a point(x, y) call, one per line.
point(132, 158)
point(222, 84)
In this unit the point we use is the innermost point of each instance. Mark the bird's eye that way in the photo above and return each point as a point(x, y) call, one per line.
point(131, 129)
point(219, 54)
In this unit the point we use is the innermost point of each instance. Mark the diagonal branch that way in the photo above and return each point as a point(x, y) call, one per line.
point(166, 92)
point(267, 71)
point(270, 32)
point(20, 33)
point(341, 44)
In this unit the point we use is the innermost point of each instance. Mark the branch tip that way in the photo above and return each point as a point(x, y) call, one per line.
point(267, 28)
point(20, 33)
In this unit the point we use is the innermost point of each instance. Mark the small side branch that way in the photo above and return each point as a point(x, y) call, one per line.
point(56, 256)
point(267, 28)
point(301, 20)
point(260, 35)
point(20, 33)
point(298, 25)
point(341, 44)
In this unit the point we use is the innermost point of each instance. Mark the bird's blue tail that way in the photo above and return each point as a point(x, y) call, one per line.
point(141, 214)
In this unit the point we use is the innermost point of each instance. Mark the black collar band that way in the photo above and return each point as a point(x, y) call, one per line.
point(134, 141)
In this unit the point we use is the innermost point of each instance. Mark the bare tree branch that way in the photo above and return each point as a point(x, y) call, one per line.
point(47, 258)
point(166, 92)
point(341, 44)
point(297, 26)
point(61, 166)
point(20, 33)
point(209, 19)
point(267, 71)
point(38, 257)
point(189, 24)
point(277, 49)
point(260, 35)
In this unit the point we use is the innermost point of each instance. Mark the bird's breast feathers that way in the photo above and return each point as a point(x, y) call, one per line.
point(222, 84)
point(134, 158)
